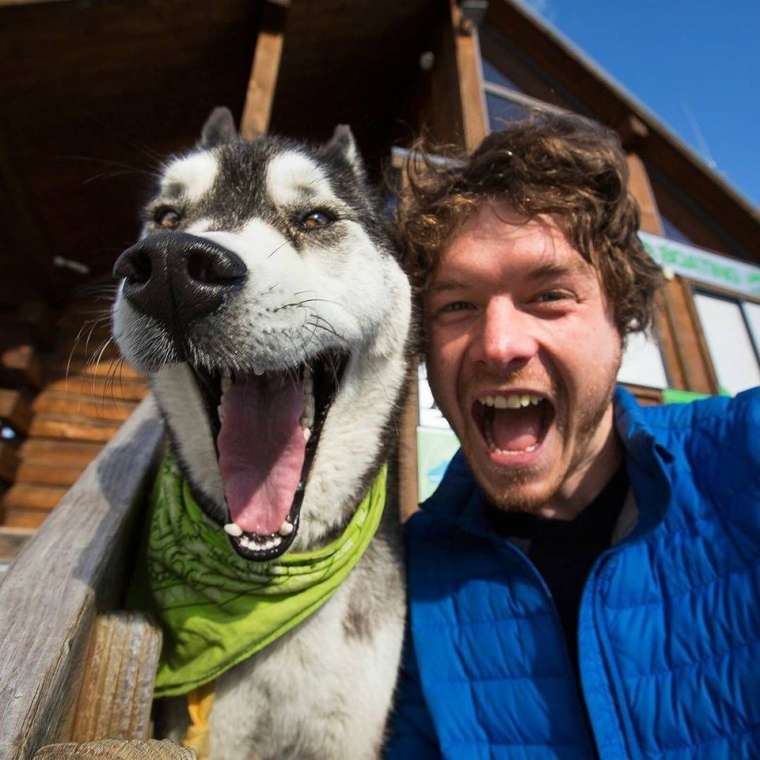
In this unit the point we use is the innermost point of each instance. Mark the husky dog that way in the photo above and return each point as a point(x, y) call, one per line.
point(266, 304)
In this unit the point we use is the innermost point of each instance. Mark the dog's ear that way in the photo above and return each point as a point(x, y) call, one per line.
point(218, 129)
point(343, 144)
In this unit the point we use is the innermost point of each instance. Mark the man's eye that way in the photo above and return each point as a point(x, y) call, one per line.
point(553, 295)
point(455, 306)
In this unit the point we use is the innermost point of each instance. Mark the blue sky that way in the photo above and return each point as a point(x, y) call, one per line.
point(695, 65)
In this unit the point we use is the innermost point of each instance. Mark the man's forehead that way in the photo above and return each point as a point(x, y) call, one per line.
point(534, 250)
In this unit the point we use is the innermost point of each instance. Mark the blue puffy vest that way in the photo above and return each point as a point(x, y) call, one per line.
point(669, 631)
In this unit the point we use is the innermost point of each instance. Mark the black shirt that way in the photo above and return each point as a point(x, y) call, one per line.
point(563, 551)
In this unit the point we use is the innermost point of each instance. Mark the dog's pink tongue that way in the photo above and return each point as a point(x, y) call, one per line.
point(516, 429)
point(261, 450)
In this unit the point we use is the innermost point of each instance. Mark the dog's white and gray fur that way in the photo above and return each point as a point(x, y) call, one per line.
point(325, 689)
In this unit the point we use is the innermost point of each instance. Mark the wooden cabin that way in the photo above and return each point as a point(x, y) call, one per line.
point(93, 95)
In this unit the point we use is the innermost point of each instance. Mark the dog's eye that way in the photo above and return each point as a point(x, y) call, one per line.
point(166, 217)
point(314, 220)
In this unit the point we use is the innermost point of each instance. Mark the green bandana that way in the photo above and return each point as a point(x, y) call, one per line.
point(216, 608)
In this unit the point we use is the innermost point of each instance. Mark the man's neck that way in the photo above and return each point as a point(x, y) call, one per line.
point(603, 457)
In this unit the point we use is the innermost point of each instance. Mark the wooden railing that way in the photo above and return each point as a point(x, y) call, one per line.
point(53, 605)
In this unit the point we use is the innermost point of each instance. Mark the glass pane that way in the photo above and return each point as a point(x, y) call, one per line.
point(492, 74)
point(429, 414)
point(728, 341)
point(501, 110)
point(752, 313)
point(642, 362)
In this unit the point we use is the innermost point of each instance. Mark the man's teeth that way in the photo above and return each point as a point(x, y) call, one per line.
point(512, 401)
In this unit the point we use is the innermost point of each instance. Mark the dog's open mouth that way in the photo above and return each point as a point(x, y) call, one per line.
point(267, 428)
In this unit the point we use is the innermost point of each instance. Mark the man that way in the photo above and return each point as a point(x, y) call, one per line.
point(584, 582)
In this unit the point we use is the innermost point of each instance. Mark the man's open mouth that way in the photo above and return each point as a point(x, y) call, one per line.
point(267, 428)
point(513, 423)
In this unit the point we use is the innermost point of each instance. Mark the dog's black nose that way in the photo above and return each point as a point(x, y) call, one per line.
point(175, 277)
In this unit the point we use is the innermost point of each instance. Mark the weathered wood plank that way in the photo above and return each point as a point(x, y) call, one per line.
point(116, 370)
point(22, 496)
point(50, 593)
point(117, 685)
point(28, 519)
point(104, 389)
point(116, 749)
point(41, 451)
point(48, 474)
point(73, 428)
point(83, 406)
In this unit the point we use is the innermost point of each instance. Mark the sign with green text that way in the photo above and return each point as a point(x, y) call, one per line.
point(703, 266)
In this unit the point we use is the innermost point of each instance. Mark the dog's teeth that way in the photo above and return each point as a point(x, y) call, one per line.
point(245, 542)
point(306, 434)
point(286, 528)
point(233, 529)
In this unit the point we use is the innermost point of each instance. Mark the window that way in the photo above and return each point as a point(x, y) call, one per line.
point(731, 328)
point(500, 110)
point(642, 362)
point(436, 441)
point(494, 75)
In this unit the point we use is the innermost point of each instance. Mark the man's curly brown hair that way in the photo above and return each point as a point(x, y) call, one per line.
point(564, 166)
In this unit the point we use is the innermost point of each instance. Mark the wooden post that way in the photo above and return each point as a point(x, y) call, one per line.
point(262, 83)
point(693, 358)
point(470, 78)
point(117, 683)
point(72, 567)
point(407, 449)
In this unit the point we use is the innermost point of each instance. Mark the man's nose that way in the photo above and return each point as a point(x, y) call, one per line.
point(507, 337)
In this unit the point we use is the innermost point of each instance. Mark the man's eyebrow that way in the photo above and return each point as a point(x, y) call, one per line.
point(446, 285)
point(557, 269)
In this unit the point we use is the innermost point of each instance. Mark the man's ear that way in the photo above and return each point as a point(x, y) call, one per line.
point(218, 129)
point(343, 144)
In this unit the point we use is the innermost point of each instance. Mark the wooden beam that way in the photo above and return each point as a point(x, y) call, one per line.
point(407, 449)
point(641, 189)
point(470, 78)
point(72, 567)
point(262, 83)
